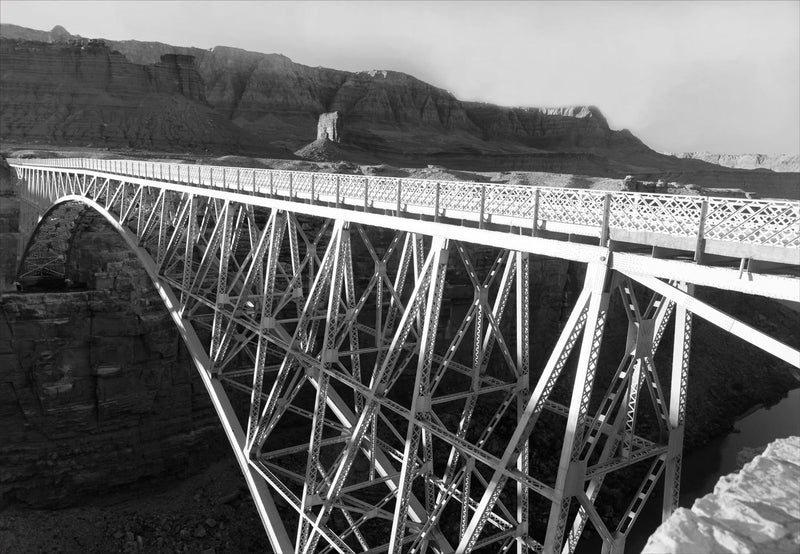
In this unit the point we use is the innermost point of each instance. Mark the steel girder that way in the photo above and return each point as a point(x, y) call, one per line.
point(382, 418)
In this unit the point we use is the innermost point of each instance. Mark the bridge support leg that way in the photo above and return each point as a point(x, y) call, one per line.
point(523, 389)
point(421, 403)
point(677, 405)
point(571, 473)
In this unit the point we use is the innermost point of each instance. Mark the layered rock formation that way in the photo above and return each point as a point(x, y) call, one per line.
point(87, 94)
point(125, 93)
point(96, 390)
point(329, 127)
point(9, 225)
point(773, 162)
point(94, 394)
point(754, 510)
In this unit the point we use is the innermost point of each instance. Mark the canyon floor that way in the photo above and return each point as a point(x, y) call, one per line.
point(210, 512)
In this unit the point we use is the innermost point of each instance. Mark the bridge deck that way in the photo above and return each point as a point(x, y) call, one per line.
point(763, 230)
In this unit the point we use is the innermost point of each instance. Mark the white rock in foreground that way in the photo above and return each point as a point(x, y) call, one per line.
point(754, 510)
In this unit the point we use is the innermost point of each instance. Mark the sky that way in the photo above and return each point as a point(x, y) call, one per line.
point(720, 76)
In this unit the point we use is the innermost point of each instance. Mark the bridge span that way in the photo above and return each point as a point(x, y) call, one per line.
point(311, 305)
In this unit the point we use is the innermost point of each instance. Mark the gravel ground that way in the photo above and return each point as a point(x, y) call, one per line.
point(209, 513)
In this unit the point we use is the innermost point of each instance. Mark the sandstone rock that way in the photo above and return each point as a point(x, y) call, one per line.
point(96, 380)
point(747, 454)
point(754, 510)
point(329, 127)
point(148, 95)
point(9, 224)
point(56, 34)
point(773, 162)
point(97, 96)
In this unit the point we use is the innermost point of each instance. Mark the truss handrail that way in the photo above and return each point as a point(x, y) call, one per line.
point(772, 223)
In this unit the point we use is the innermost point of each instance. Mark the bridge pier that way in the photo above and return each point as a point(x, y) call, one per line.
point(357, 424)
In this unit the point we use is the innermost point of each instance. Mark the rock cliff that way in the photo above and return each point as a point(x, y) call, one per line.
point(95, 393)
point(754, 510)
point(330, 127)
point(777, 162)
point(58, 88)
point(96, 390)
point(88, 94)
point(9, 224)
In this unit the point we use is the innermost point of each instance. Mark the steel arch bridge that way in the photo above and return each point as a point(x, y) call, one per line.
point(317, 299)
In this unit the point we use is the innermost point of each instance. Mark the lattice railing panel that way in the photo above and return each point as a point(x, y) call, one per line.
point(577, 207)
point(658, 213)
point(262, 181)
point(419, 192)
point(753, 221)
point(301, 183)
point(464, 197)
point(325, 184)
point(773, 223)
point(383, 189)
point(510, 200)
point(352, 186)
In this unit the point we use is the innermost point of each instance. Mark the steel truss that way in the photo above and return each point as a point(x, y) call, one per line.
point(367, 414)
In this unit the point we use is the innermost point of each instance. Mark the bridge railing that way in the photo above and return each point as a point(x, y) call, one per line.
point(772, 223)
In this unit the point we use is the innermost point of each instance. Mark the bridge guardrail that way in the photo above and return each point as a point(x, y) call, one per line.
point(774, 223)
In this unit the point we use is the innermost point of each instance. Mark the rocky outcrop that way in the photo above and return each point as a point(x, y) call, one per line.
point(9, 225)
point(70, 90)
point(567, 128)
point(88, 94)
point(329, 127)
point(267, 98)
point(96, 389)
point(754, 510)
point(773, 162)
point(56, 34)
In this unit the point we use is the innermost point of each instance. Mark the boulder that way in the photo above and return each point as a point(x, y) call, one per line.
point(754, 510)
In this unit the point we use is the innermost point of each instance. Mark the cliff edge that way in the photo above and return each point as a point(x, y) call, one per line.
point(754, 510)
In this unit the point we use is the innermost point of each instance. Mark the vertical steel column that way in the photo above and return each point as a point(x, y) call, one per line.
point(267, 321)
point(304, 337)
point(523, 389)
point(533, 408)
point(221, 297)
point(161, 246)
point(571, 474)
point(188, 254)
point(307, 536)
point(677, 404)
point(421, 401)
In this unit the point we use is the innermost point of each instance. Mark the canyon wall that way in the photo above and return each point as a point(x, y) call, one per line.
point(96, 389)
point(774, 162)
point(9, 225)
point(62, 89)
point(96, 393)
point(90, 95)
